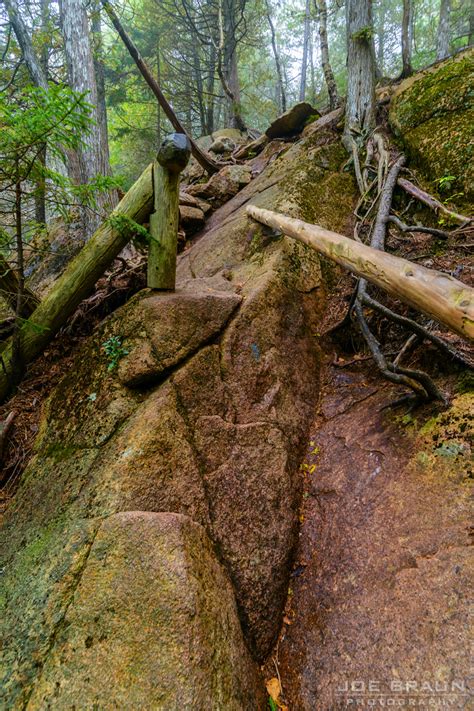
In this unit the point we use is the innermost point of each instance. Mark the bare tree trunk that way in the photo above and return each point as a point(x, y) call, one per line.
point(210, 90)
point(280, 86)
point(442, 44)
point(471, 25)
point(227, 63)
point(35, 69)
point(407, 37)
point(304, 63)
point(40, 191)
point(334, 99)
point(81, 76)
point(360, 105)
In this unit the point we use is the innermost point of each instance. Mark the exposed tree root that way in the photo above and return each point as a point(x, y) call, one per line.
point(377, 175)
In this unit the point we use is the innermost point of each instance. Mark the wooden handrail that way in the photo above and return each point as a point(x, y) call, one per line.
point(436, 294)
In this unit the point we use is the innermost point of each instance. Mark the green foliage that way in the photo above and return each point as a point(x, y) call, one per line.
point(365, 34)
point(114, 351)
point(130, 229)
point(272, 704)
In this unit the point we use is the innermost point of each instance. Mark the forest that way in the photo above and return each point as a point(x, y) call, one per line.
point(236, 327)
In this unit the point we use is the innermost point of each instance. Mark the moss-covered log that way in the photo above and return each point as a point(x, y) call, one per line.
point(436, 294)
point(80, 276)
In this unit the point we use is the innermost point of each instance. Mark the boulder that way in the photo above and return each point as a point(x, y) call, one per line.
point(233, 133)
point(191, 218)
point(433, 113)
point(222, 145)
point(222, 186)
point(292, 121)
point(172, 327)
point(152, 624)
point(207, 415)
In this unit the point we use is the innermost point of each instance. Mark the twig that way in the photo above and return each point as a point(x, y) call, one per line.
point(415, 228)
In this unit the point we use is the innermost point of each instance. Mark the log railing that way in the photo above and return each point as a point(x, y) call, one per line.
point(438, 295)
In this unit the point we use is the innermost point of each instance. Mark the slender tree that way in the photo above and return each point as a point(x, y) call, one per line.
point(442, 42)
point(407, 37)
point(334, 99)
point(304, 63)
point(276, 55)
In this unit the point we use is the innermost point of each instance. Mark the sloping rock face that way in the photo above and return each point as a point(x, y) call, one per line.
point(206, 416)
point(191, 654)
point(433, 111)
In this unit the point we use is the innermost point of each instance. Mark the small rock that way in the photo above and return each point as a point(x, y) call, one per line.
point(222, 145)
point(192, 218)
point(232, 133)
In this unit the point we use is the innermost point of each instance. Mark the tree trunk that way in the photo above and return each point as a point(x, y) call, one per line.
point(442, 43)
point(40, 191)
point(280, 86)
point(227, 63)
point(304, 63)
point(334, 99)
point(436, 294)
point(360, 104)
point(38, 76)
point(407, 37)
point(210, 91)
point(79, 277)
point(471, 25)
point(92, 157)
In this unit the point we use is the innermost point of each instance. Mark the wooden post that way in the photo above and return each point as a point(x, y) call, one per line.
point(172, 158)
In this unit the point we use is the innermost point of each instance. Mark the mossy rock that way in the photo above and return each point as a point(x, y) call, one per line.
point(433, 113)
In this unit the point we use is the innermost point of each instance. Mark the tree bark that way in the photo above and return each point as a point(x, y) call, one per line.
point(436, 294)
point(360, 104)
point(172, 158)
point(407, 37)
point(203, 159)
point(78, 279)
point(304, 63)
point(334, 99)
point(442, 43)
point(38, 76)
point(92, 157)
point(276, 55)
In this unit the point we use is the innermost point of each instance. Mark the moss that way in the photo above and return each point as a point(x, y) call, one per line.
point(433, 113)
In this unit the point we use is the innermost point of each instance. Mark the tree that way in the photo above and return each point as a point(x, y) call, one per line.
point(92, 157)
point(360, 104)
point(306, 39)
point(334, 99)
point(442, 42)
point(407, 37)
point(30, 119)
point(280, 85)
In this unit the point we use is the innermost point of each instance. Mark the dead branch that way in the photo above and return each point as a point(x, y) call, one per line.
point(417, 228)
point(432, 202)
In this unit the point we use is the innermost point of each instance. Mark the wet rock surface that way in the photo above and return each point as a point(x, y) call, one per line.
point(385, 560)
point(153, 624)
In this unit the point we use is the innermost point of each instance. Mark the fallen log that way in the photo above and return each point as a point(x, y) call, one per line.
point(79, 277)
point(436, 294)
point(9, 286)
